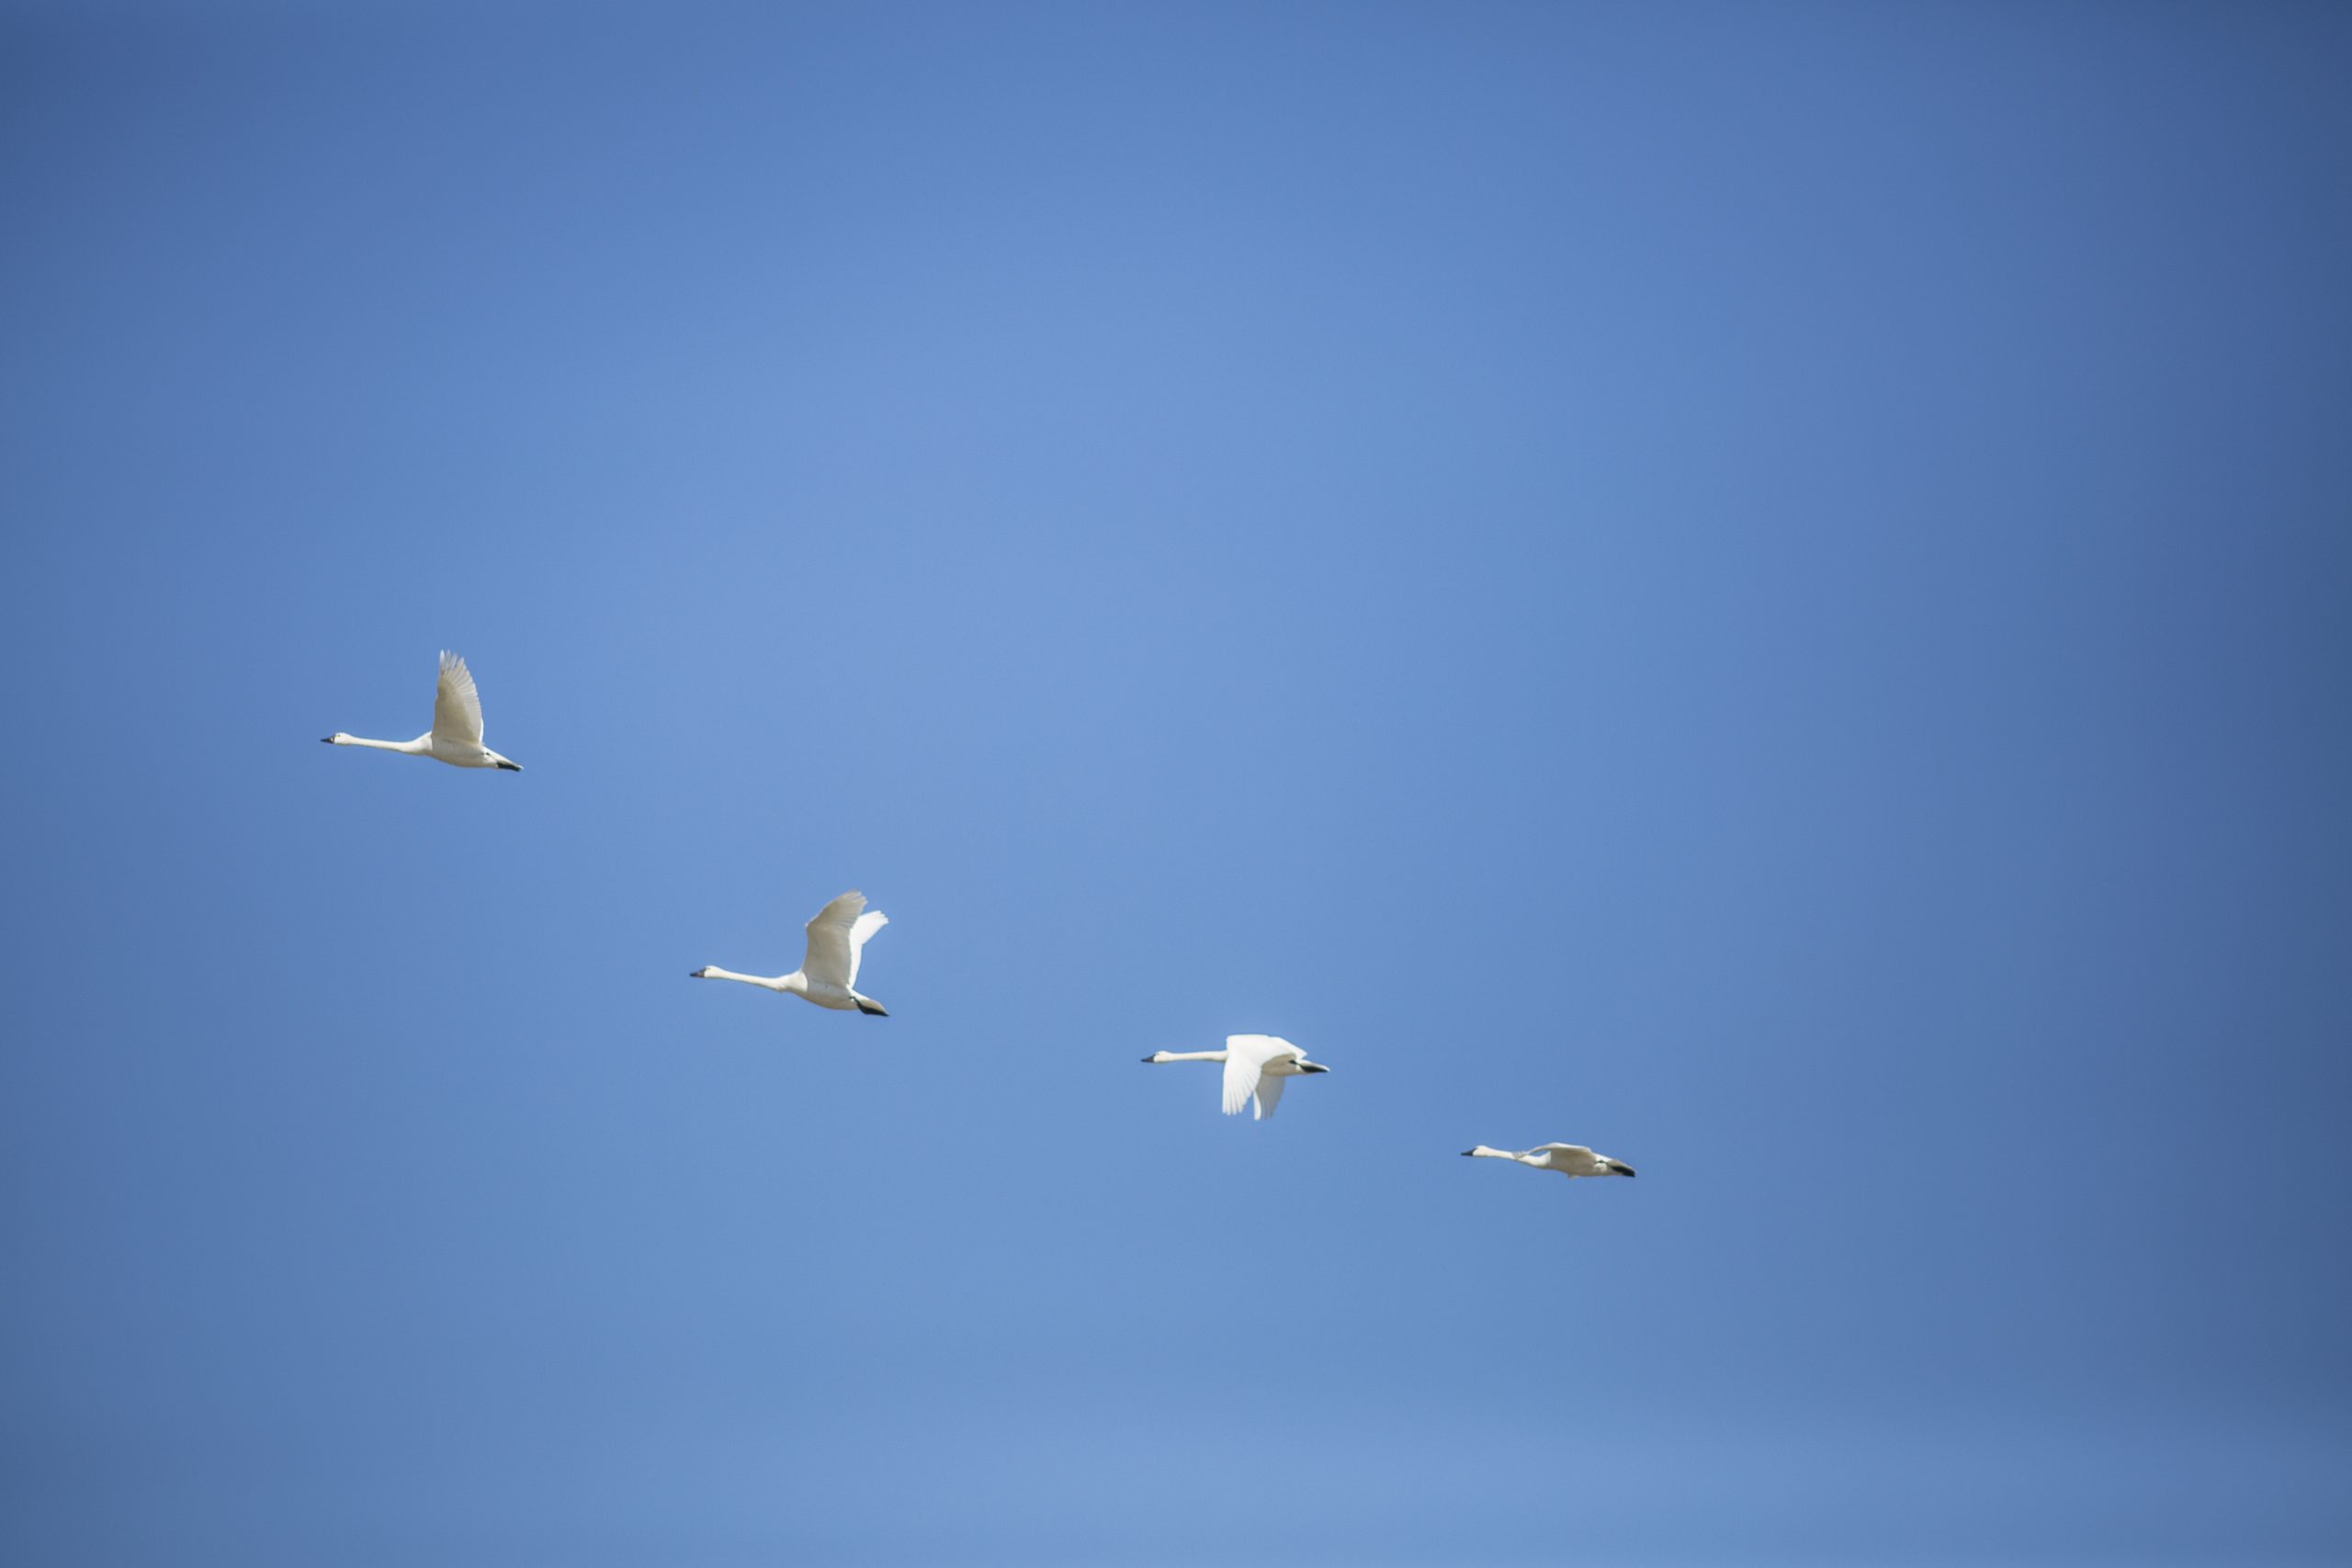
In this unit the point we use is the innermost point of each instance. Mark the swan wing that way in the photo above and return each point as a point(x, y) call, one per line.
point(860, 930)
point(1241, 1077)
point(1574, 1158)
point(456, 705)
point(1269, 1094)
point(1246, 1057)
point(832, 952)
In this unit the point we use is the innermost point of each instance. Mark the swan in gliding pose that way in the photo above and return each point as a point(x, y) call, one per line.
point(1255, 1066)
point(1569, 1160)
point(828, 973)
point(456, 734)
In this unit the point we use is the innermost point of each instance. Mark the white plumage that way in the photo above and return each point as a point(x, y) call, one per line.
point(1569, 1160)
point(828, 973)
point(1255, 1069)
point(456, 734)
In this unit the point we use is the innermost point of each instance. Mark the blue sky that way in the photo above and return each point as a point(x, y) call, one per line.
point(1763, 588)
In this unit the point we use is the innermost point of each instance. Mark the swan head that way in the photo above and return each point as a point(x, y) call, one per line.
point(1156, 1057)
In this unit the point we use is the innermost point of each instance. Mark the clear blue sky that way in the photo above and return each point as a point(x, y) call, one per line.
point(1766, 588)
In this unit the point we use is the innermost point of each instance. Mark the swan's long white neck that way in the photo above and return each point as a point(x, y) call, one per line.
point(796, 981)
point(1483, 1152)
point(1188, 1056)
point(422, 743)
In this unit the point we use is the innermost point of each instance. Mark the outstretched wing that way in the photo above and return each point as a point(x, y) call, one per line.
point(1269, 1094)
point(864, 926)
point(456, 707)
point(832, 955)
point(1241, 1077)
point(1246, 1057)
point(1574, 1158)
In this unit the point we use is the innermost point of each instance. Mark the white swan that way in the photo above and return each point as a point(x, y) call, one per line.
point(828, 974)
point(456, 734)
point(1255, 1066)
point(1569, 1160)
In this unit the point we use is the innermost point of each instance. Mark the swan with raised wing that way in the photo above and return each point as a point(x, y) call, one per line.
point(828, 971)
point(456, 734)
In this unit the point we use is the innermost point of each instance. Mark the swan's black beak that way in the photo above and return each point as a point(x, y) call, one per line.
point(1312, 1068)
point(511, 767)
point(693, 974)
point(326, 740)
point(1468, 1153)
point(1147, 1058)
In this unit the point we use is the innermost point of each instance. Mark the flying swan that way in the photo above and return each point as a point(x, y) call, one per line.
point(1255, 1066)
point(828, 974)
point(456, 734)
point(1569, 1160)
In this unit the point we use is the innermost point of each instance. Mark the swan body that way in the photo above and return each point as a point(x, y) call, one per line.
point(456, 734)
point(1256, 1067)
point(1569, 1160)
point(828, 971)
